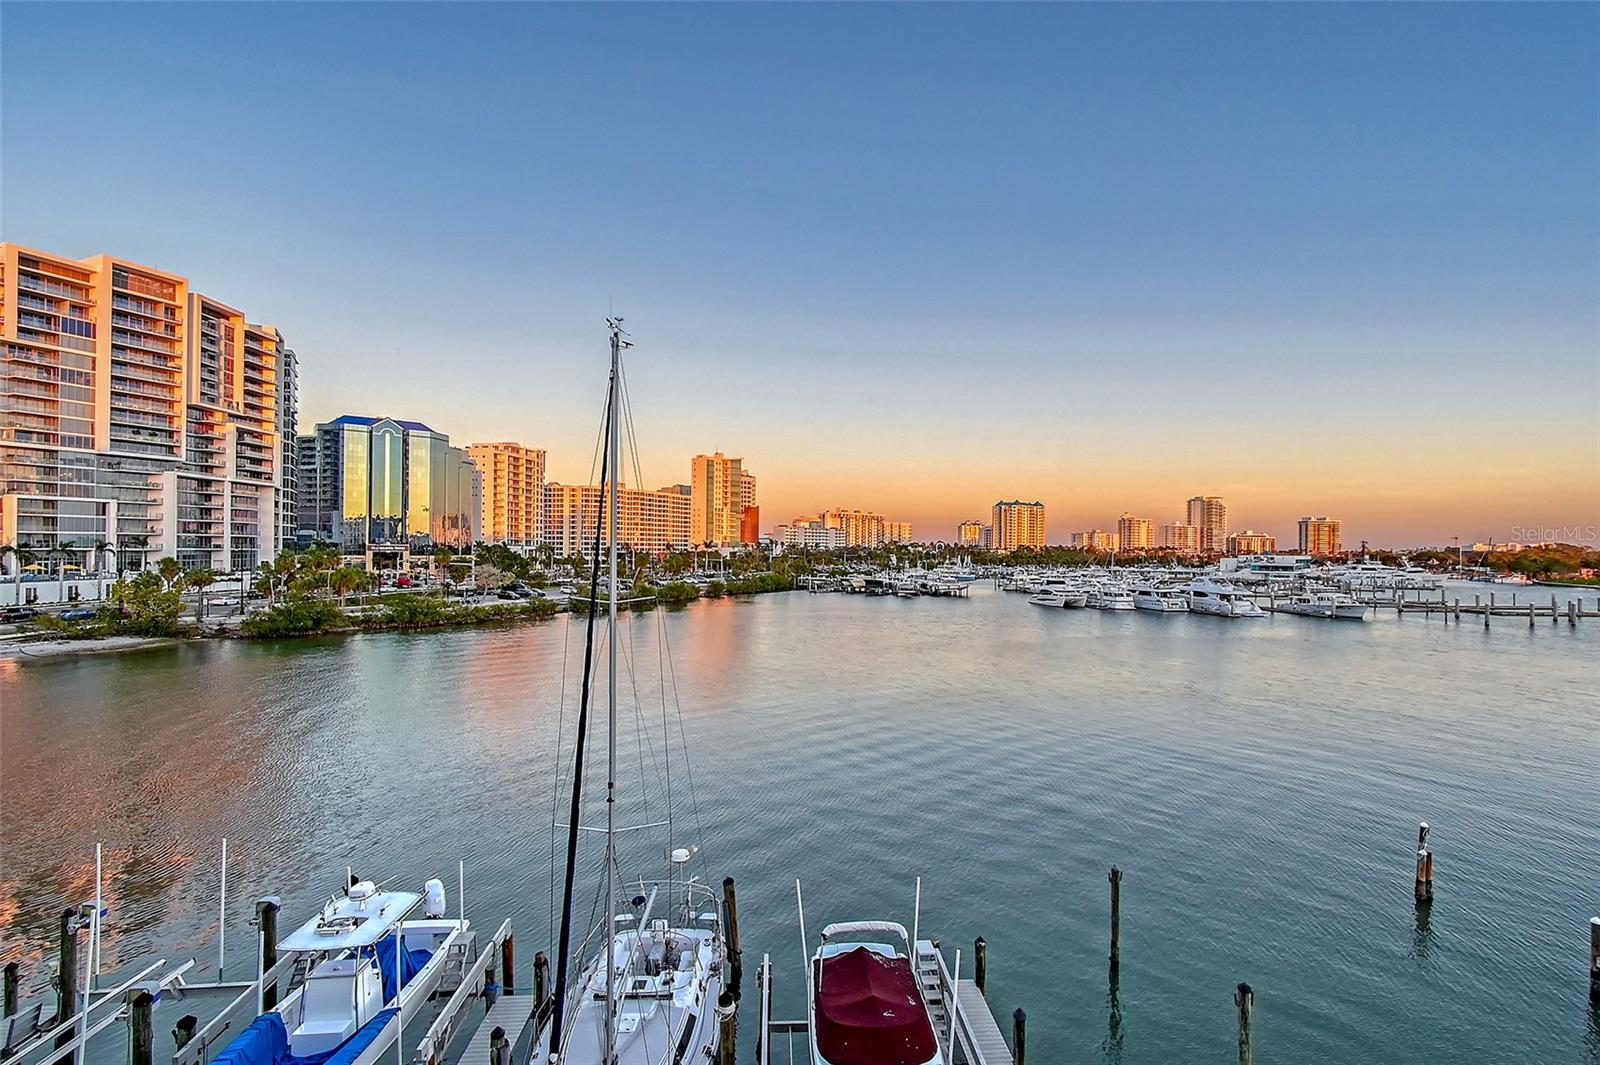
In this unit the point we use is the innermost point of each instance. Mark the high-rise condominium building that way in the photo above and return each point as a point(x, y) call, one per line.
point(513, 493)
point(1178, 536)
point(1319, 537)
point(646, 521)
point(810, 532)
point(288, 425)
point(1018, 524)
point(1135, 534)
point(1097, 540)
point(863, 528)
point(137, 414)
point(970, 534)
point(749, 512)
point(383, 485)
point(717, 500)
point(1210, 516)
point(1252, 543)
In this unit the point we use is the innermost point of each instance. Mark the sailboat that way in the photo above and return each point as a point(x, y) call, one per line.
point(653, 992)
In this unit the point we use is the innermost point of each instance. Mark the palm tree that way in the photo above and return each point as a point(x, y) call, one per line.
point(142, 545)
point(441, 561)
point(26, 556)
point(16, 561)
point(201, 579)
point(345, 580)
point(64, 552)
point(101, 549)
point(169, 568)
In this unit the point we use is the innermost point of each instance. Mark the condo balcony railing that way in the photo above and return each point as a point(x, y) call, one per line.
point(145, 286)
point(124, 382)
point(71, 292)
point(144, 343)
point(162, 329)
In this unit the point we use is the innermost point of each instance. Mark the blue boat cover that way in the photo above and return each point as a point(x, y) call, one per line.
point(266, 1042)
point(411, 963)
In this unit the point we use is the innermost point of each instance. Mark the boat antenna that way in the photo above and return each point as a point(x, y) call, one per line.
point(564, 950)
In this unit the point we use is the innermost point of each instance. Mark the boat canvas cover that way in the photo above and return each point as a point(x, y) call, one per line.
point(411, 963)
point(869, 1012)
point(266, 1042)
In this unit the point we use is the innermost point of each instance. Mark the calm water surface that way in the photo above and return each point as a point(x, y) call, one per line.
point(1259, 782)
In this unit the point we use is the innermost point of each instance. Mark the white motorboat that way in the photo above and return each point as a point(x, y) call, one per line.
point(1323, 605)
point(367, 966)
point(1062, 598)
point(1159, 599)
point(653, 989)
point(1207, 595)
point(1110, 597)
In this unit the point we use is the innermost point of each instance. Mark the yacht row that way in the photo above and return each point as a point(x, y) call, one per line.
point(1198, 595)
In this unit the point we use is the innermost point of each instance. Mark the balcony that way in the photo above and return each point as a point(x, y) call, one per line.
point(70, 292)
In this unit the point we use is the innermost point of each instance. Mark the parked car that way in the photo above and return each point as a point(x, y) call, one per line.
point(507, 593)
point(82, 613)
point(17, 613)
point(402, 582)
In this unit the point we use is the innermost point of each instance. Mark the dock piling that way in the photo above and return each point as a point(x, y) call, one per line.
point(726, 1012)
point(508, 964)
point(1245, 999)
point(1594, 960)
point(1572, 613)
point(499, 1047)
point(184, 1030)
point(541, 980)
point(730, 907)
point(1019, 1035)
point(141, 1034)
point(11, 981)
point(1424, 886)
point(267, 924)
point(980, 962)
point(1115, 876)
point(1553, 611)
point(67, 977)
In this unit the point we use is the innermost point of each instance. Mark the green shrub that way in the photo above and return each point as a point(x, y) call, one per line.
point(296, 617)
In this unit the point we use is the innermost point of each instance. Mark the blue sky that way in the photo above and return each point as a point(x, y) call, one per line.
point(914, 258)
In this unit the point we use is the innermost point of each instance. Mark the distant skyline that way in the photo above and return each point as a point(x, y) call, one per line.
point(1314, 259)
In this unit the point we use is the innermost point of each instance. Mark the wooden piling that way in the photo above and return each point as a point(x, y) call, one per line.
point(1019, 1036)
point(1594, 960)
point(184, 1030)
point(1572, 613)
point(499, 1047)
point(1530, 615)
point(1489, 610)
point(508, 964)
point(541, 981)
point(67, 982)
point(1553, 611)
point(1424, 886)
point(267, 925)
point(1245, 999)
point(1115, 876)
point(1458, 610)
point(725, 1018)
point(980, 963)
point(13, 969)
point(141, 1033)
point(730, 914)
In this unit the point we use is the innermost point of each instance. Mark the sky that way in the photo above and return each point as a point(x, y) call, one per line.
point(1316, 259)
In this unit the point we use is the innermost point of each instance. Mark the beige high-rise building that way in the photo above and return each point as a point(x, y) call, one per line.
point(646, 520)
point(513, 492)
point(1135, 534)
point(1210, 516)
point(717, 504)
point(1018, 524)
point(1096, 540)
point(1252, 543)
point(970, 534)
point(897, 532)
point(1178, 536)
point(1320, 537)
point(137, 413)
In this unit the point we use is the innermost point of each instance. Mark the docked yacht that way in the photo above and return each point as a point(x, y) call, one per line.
point(1159, 599)
point(364, 966)
point(1207, 595)
point(1110, 597)
point(1323, 605)
point(864, 1002)
point(1067, 598)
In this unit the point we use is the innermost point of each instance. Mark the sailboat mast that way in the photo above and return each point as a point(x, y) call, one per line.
point(612, 449)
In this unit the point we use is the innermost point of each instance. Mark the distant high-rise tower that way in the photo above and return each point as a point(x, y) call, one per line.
point(970, 534)
point(1018, 524)
point(1135, 534)
point(716, 502)
point(1319, 536)
point(513, 492)
point(1210, 516)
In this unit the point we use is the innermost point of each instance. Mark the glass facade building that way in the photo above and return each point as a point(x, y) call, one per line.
point(383, 483)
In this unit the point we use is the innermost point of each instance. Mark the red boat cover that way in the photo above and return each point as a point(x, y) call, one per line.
point(870, 1012)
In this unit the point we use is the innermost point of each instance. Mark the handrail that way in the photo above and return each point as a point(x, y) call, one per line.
point(195, 1050)
point(430, 1043)
point(45, 1035)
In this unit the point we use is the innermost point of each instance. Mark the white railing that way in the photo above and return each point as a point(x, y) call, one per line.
point(446, 1026)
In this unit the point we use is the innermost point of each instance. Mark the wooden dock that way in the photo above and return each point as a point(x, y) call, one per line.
point(513, 1013)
